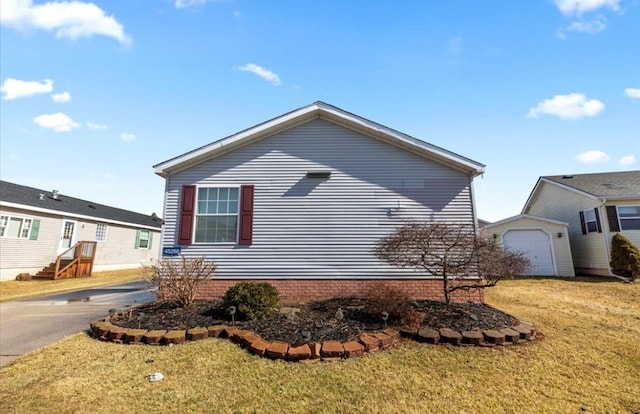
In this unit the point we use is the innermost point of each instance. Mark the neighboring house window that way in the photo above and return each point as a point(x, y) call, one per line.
point(143, 239)
point(19, 228)
point(590, 221)
point(101, 232)
point(629, 217)
point(217, 215)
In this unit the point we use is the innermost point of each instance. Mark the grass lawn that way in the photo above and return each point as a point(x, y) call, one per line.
point(14, 290)
point(587, 360)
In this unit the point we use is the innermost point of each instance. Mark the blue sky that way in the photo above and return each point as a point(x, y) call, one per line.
point(95, 93)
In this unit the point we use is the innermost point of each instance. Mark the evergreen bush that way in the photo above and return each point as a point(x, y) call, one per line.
point(625, 257)
point(253, 300)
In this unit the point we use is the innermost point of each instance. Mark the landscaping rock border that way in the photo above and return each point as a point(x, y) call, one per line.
point(312, 352)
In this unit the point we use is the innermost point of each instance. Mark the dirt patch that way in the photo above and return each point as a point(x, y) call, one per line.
point(315, 321)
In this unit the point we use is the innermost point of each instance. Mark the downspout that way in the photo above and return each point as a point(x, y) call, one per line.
point(607, 248)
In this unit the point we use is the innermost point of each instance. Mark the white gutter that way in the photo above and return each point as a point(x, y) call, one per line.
point(81, 216)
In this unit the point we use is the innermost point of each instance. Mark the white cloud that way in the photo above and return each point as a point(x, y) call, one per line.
point(127, 137)
point(262, 72)
point(70, 19)
point(571, 7)
point(571, 106)
point(633, 93)
point(185, 4)
point(593, 26)
point(96, 127)
point(59, 122)
point(592, 157)
point(61, 97)
point(14, 88)
point(627, 160)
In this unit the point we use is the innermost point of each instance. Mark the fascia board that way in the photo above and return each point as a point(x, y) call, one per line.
point(79, 216)
point(226, 144)
point(526, 216)
point(318, 109)
point(541, 180)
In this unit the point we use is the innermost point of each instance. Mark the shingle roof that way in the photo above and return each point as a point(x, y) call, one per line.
point(28, 196)
point(606, 185)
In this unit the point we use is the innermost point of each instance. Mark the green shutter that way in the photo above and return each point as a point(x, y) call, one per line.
point(150, 238)
point(35, 228)
point(137, 239)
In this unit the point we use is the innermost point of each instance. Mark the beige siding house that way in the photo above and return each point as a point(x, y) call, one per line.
point(595, 206)
point(37, 225)
point(545, 242)
point(301, 200)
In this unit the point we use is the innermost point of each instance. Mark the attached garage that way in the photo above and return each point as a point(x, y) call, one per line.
point(545, 242)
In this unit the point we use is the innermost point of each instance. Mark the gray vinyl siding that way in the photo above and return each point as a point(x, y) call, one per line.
point(118, 250)
point(322, 228)
point(24, 255)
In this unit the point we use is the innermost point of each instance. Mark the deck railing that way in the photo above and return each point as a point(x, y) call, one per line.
point(84, 252)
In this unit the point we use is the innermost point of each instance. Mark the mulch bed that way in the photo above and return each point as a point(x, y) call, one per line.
point(315, 319)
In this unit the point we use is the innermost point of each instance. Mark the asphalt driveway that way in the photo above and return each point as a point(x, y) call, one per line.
point(29, 324)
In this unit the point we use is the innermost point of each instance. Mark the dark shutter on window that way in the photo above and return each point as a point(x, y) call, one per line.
point(595, 210)
point(246, 214)
point(187, 210)
point(583, 225)
point(612, 217)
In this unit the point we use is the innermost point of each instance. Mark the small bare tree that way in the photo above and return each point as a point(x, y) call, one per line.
point(452, 251)
point(178, 279)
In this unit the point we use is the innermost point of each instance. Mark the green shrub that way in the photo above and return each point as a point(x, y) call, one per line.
point(625, 257)
point(253, 300)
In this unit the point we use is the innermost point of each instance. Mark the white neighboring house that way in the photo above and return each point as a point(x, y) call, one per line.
point(36, 226)
point(300, 201)
point(545, 242)
point(596, 206)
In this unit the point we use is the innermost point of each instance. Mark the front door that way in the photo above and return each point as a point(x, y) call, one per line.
point(68, 236)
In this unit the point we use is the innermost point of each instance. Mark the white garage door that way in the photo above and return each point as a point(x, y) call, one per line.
point(535, 244)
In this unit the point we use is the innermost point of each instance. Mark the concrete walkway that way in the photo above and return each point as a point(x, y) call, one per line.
point(27, 325)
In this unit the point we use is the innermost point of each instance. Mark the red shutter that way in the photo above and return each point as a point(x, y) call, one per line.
point(246, 214)
point(612, 216)
point(583, 225)
point(187, 210)
point(598, 220)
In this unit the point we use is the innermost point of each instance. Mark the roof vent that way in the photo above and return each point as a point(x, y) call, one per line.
point(567, 177)
point(54, 194)
point(318, 174)
point(41, 196)
point(612, 185)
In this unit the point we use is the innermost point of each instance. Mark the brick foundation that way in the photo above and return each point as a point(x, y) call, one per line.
point(314, 289)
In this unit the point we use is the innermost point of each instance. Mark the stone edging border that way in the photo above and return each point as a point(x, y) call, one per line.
point(314, 352)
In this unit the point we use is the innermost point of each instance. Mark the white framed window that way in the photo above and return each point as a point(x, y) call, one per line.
point(590, 221)
point(629, 217)
point(101, 232)
point(217, 214)
point(143, 239)
point(15, 227)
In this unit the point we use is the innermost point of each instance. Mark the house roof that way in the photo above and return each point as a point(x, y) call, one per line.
point(308, 113)
point(622, 185)
point(20, 196)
